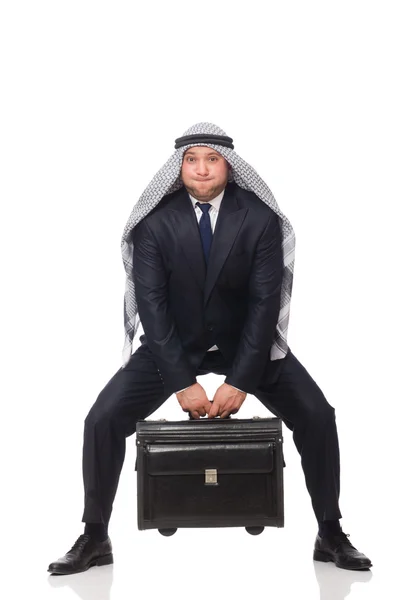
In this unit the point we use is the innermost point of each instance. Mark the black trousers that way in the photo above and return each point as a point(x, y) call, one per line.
point(135, 392)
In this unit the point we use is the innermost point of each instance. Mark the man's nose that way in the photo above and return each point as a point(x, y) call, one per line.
point(202, 168)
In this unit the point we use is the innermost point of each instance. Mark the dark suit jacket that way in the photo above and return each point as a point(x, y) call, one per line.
point(185, 308)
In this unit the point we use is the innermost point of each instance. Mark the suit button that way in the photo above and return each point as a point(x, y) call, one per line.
point(210, 328)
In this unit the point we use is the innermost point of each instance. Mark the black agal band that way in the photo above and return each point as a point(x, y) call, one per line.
point(204, 138)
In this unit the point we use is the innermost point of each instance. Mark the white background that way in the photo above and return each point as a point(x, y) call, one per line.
point(93, 96)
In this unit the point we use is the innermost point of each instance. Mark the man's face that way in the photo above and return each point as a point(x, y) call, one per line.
point(204, 172)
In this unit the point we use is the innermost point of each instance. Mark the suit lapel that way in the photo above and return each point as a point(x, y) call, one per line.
point(229, 221)
point(188, 234)
point(228, 224)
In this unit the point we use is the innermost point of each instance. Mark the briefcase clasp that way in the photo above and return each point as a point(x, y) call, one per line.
point(211, 477)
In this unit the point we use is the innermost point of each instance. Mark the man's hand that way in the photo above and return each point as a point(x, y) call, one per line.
point(227, 401)
point(194, 401)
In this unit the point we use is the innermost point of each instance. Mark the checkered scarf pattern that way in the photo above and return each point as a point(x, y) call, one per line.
point(166, 181)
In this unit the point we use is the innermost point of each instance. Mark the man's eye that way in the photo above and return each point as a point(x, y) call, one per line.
point(213, 158)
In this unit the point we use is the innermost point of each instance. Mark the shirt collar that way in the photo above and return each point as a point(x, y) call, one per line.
point(216, 202)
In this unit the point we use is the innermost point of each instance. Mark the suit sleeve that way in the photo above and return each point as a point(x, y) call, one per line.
point(263, 310)
point(150, 281)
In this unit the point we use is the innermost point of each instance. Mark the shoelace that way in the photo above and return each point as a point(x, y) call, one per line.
point(80, 542)
point(342, 538)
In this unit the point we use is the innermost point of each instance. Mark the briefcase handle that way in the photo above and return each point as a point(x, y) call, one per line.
point(203, 418)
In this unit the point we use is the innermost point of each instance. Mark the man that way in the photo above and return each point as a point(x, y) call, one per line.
point(209, 260)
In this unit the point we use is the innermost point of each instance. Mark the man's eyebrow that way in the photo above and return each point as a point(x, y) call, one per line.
point(213, 153)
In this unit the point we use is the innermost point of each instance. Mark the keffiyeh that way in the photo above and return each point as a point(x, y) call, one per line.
point(166, 181)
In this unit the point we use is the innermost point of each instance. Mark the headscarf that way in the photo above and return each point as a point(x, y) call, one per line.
point(168, 180)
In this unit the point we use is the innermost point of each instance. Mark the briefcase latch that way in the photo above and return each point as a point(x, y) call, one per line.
point(211, 477)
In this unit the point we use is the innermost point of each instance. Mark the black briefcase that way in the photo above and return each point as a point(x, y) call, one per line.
point(210, 473)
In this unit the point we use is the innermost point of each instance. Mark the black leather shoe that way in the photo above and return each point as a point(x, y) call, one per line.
point(86, 552)
point(337, 548)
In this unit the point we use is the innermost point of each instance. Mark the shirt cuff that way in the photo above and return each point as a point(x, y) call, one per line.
point(238, 389)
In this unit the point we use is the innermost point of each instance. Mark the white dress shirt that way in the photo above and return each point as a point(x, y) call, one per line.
point(213, 214)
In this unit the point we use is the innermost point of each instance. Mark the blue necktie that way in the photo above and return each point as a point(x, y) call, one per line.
point(205, 229)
